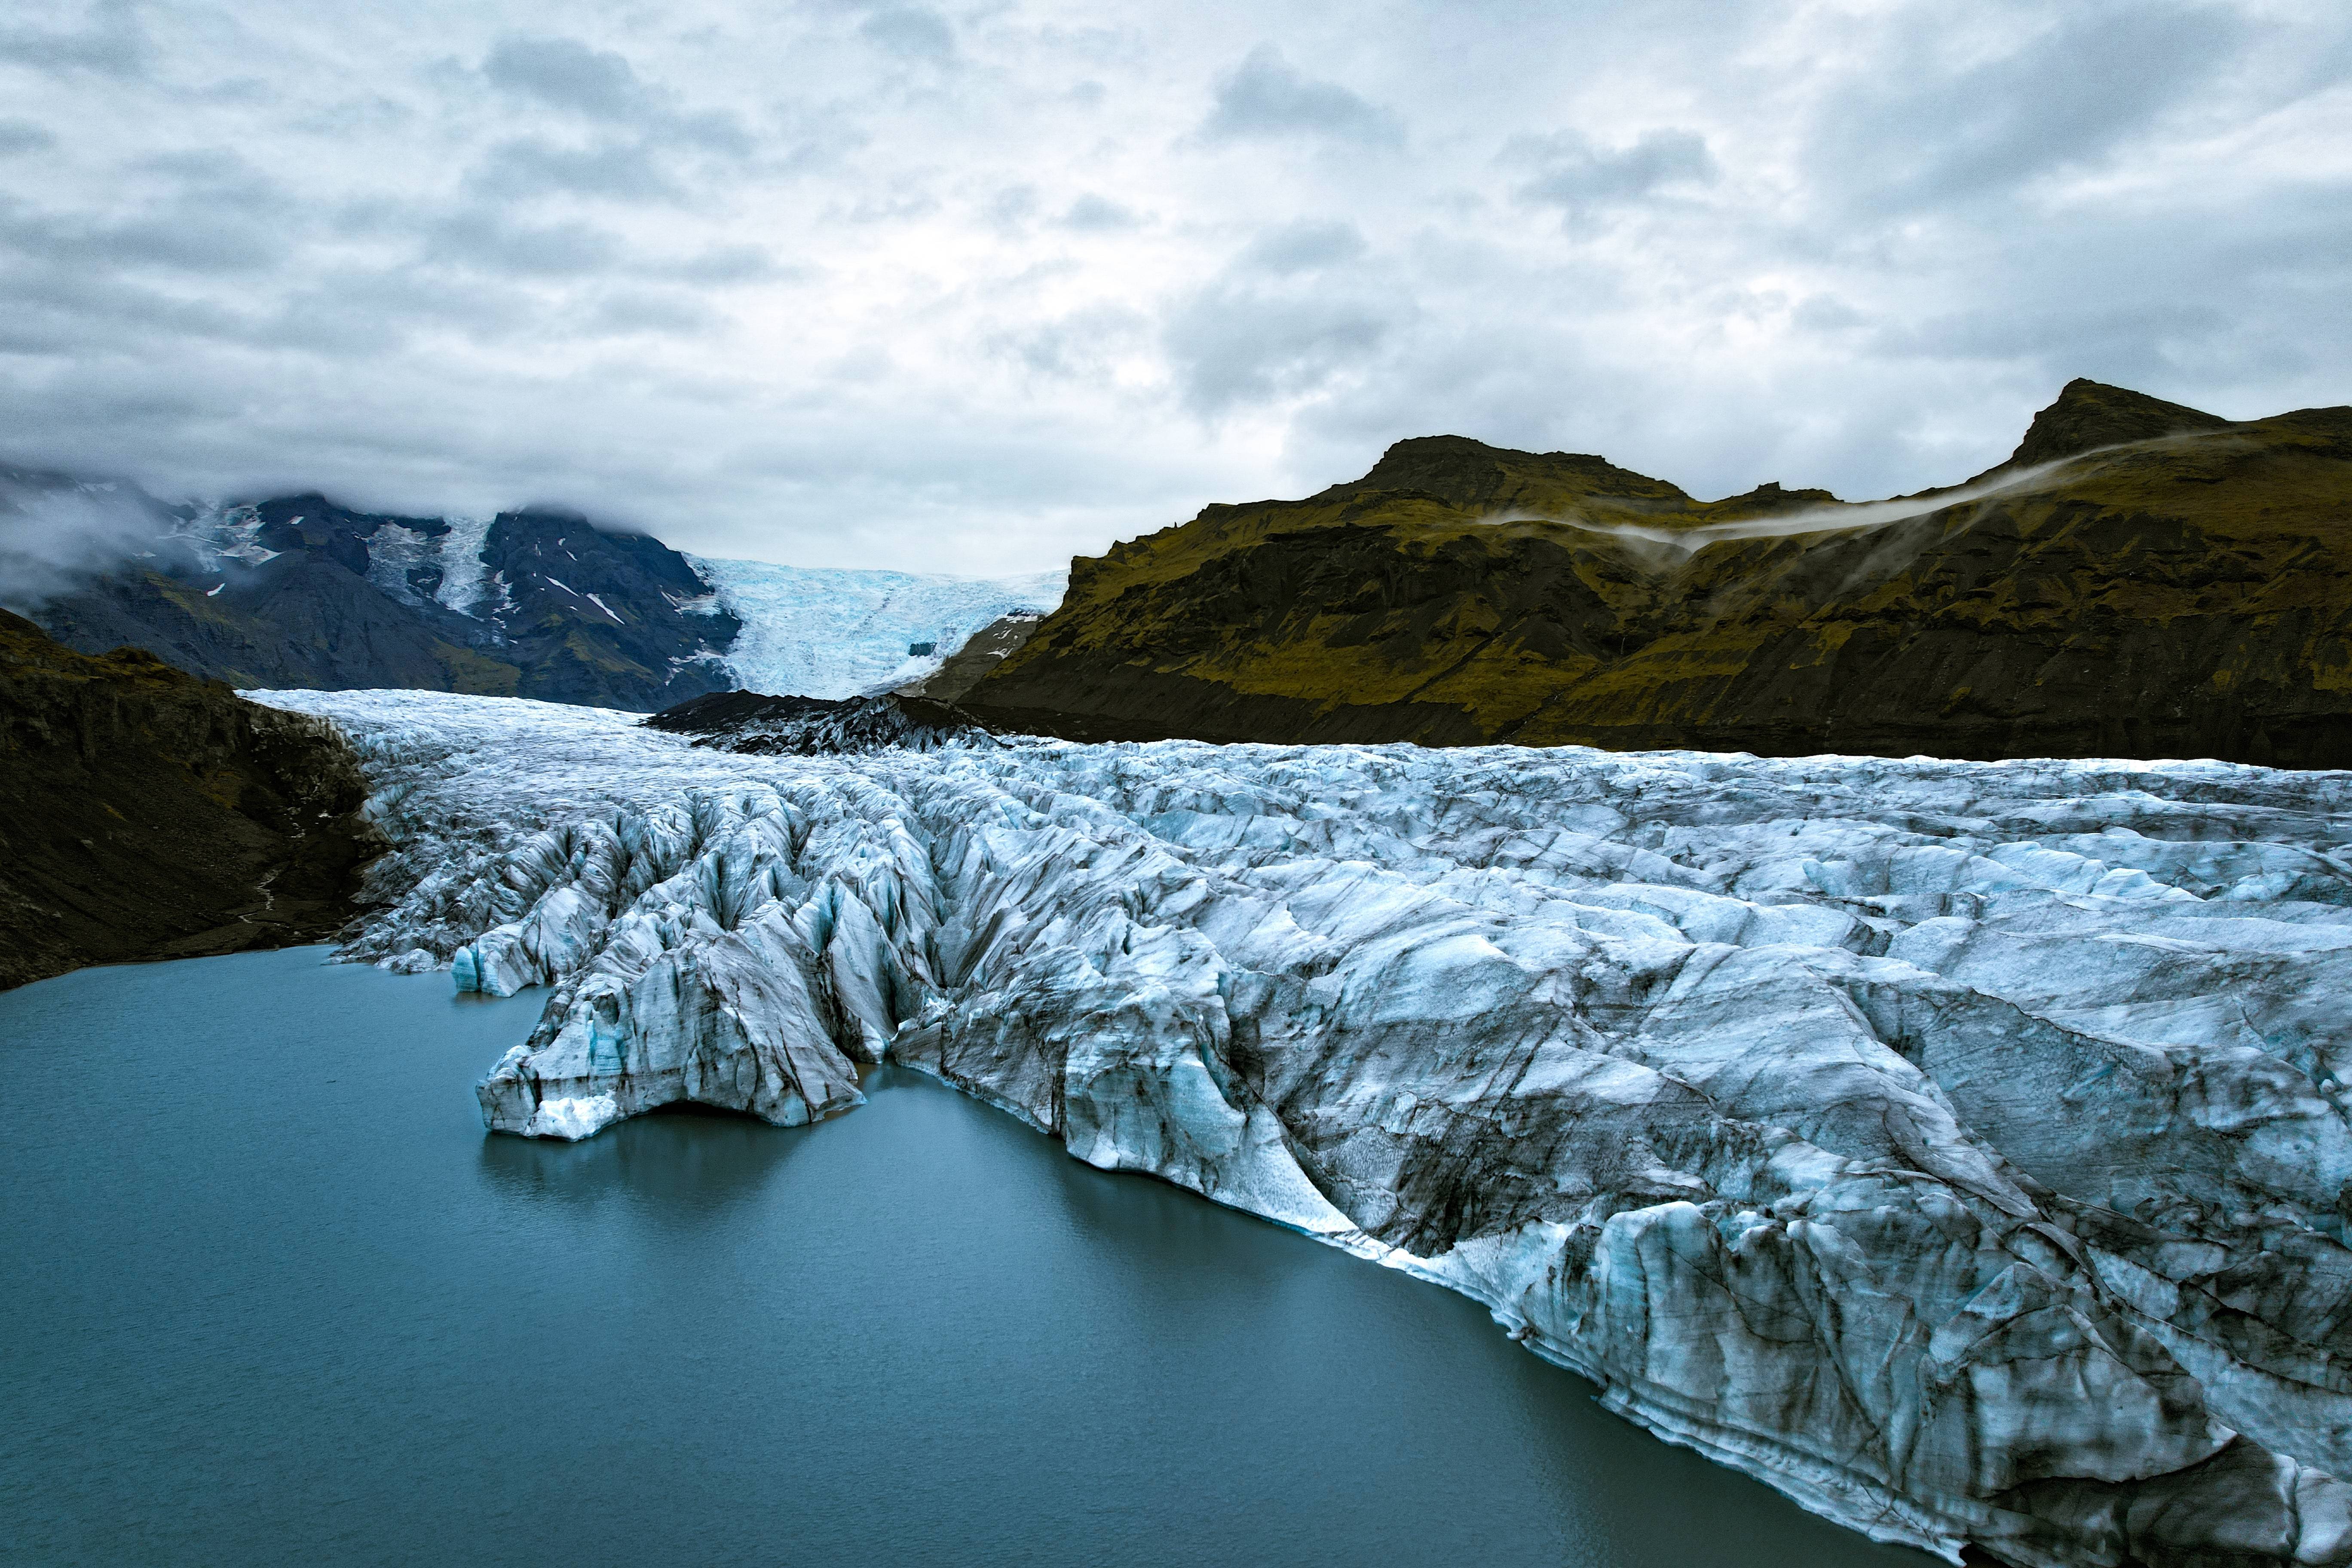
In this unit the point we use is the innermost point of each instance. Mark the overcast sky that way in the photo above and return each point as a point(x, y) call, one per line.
point(972, 288)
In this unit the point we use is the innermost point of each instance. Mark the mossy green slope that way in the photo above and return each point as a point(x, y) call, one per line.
point(2140, 579)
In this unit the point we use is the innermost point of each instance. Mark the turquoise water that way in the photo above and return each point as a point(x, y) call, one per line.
point(273, 1296)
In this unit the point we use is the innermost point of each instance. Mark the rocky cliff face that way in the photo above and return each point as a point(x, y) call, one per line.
point(147, 814)
point(2140, 579)
point(1961, 1148)
point(984, 651)
point(301, 592)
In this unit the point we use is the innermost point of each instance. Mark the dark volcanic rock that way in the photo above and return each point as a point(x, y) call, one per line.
point(146, 814)
point(984, 651)
point(2179, 586)
point(761, 725)
point(599, 617)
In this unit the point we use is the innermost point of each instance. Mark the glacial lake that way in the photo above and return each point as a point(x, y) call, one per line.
point(272, 1296)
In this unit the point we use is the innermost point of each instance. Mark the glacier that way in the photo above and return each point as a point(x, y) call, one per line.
point(1961, 1148)
point(817, 632)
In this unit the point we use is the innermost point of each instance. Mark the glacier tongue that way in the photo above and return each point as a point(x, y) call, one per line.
point(1960, 1147)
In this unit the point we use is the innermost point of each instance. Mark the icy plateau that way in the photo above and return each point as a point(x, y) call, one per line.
point(1960, 1147)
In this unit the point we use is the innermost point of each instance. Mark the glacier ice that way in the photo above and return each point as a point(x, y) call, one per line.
point(812, 632)
point(1960, 1147)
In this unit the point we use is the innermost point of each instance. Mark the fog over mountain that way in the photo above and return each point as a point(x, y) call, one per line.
point(974, 288)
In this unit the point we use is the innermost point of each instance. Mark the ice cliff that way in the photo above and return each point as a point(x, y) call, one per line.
point(1960, 1147)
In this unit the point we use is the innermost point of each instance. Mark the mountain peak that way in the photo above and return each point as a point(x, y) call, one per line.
point(1465, 472)
point(2089, 414)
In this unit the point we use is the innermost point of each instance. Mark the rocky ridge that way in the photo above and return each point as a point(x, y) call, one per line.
point(759, 725)
point(984, 651)
point(1960, 1147)
point(145, 813)
point(2139, 579)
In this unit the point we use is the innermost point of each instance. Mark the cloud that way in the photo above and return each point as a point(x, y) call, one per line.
point(203, 226)
point(564, 73)
point(1825, 313)
point(1234, 346)
point(910, 33)
point(2128, 343)
point(1266, 97)
point(1099, 215)
point(850, 284)
point(613, 170)
point(54, 536)
point(1303, 245)
point(1083, 346)
point(486, 240)
point(24, 136)
point(1572, 173)
point(719, 265)
point(657, 310)
point(2067, 92)
point(113, 44)
point(602, 86)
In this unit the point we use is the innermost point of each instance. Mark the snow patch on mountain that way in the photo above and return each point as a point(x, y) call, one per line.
point(818, 632)
point(224, 533)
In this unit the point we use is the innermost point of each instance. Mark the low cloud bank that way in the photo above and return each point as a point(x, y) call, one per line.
point(53, 540)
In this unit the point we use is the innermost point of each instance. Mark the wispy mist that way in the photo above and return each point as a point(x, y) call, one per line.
point(53, 541)
point(1855, 517)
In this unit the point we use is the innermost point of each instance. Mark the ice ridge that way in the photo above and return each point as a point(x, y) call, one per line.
point(1960, 1147)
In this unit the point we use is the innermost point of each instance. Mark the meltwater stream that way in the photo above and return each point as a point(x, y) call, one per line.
point(272, 1296)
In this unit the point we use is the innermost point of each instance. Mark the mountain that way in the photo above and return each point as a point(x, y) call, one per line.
point(147, 814)
point(301, 592)
point(2138, 579)
point(979, 653)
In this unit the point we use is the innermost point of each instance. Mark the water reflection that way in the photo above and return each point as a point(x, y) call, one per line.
point(694, 1168)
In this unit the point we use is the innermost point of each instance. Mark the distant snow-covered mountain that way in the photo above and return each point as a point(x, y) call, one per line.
point(813, 631)
point(301, 592)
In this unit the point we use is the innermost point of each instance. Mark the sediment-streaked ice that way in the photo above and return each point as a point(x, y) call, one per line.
point(1960, 1147)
